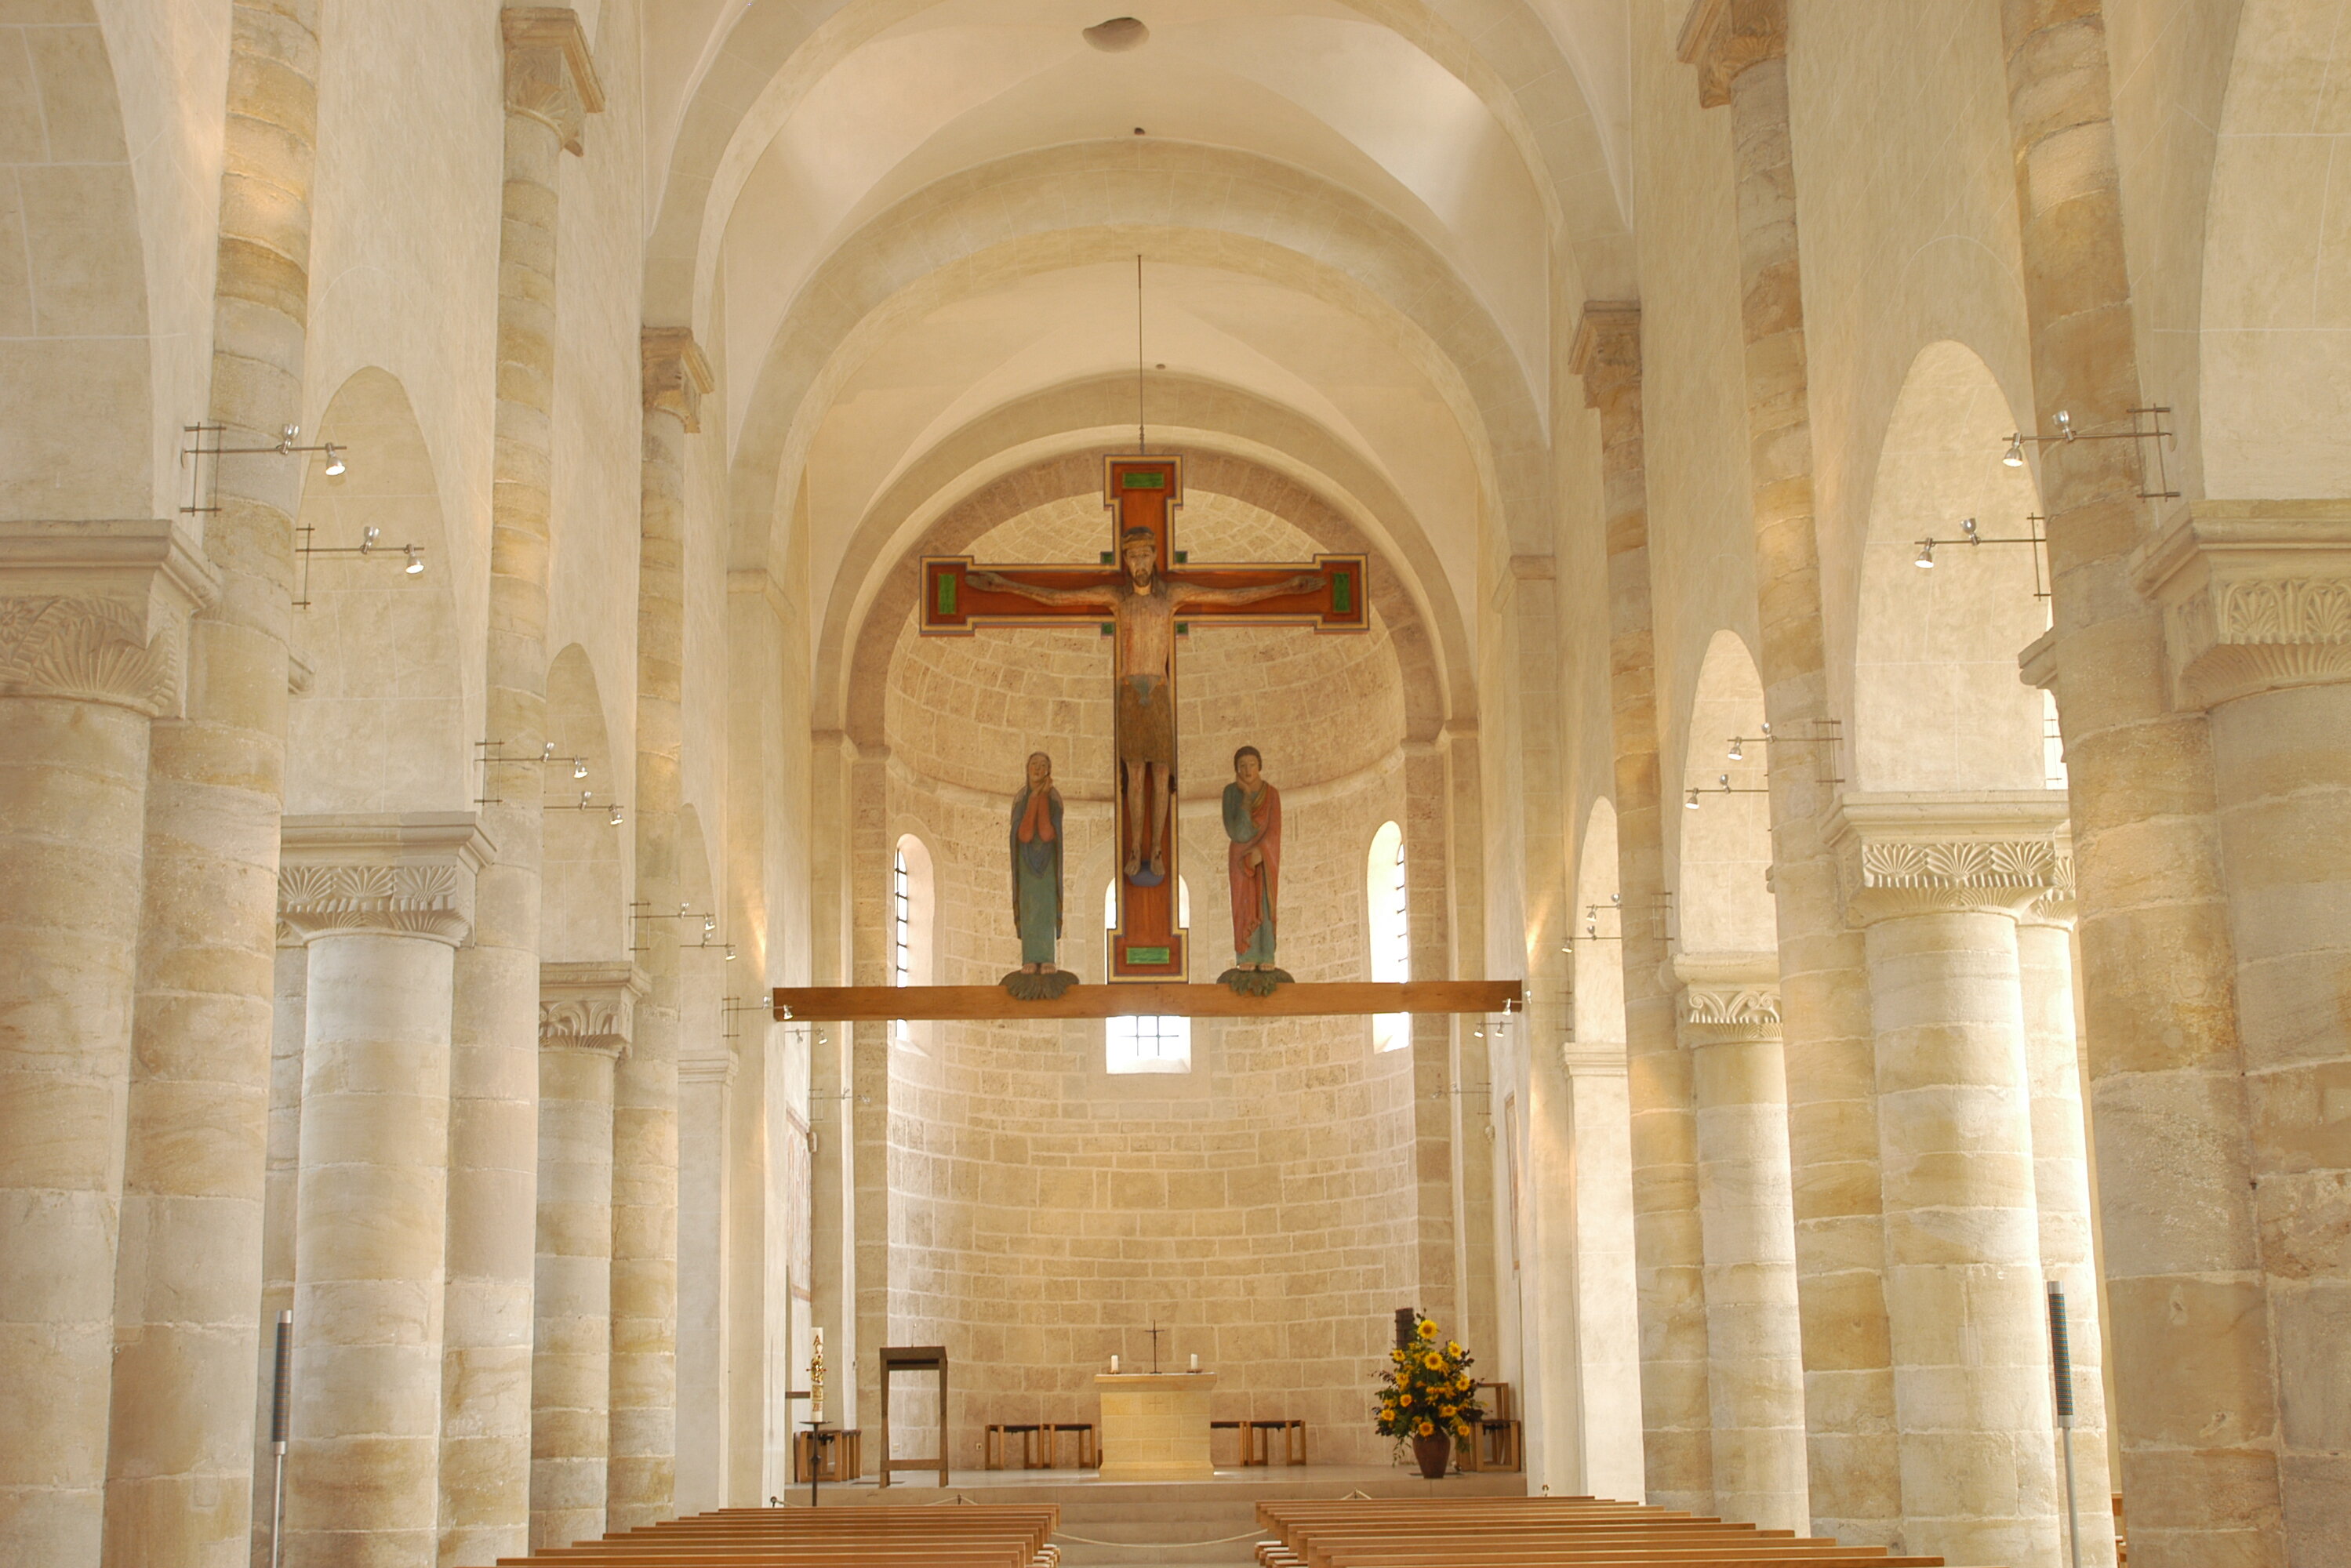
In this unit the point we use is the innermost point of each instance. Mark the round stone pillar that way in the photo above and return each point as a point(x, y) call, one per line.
point(92, 621)
point(381, 907)
point(1730, 1027)
point(1937, 881)
point(2257, 624)
point(586, 1012)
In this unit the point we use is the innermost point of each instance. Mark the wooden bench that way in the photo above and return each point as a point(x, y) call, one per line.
point(1257, 1442)
point(848, 1536)
point(1537, 1532)
point(991, 1444)
point(1089, 1450)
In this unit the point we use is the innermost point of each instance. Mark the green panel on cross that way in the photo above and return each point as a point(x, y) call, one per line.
point(946, 593)
point(1147, 956)
point(1343, 592)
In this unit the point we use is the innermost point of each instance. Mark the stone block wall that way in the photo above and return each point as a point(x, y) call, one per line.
point(1045, 1211)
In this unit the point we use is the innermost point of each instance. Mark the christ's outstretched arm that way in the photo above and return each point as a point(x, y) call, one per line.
point(1189, 595)
point(1102, 598)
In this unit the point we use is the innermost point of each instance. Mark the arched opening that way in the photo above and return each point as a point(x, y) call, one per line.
point(2276, 333)
point(1936, 702)
point(1723, 903)
point(378, 725)
point(584, 913)
point(1390, 929)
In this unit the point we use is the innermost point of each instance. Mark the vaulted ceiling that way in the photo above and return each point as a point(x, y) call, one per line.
point(908, 228)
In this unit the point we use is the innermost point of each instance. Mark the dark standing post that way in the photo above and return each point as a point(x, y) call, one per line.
point(1407, 1320)
point(279, 1405)
point(2061, 1363)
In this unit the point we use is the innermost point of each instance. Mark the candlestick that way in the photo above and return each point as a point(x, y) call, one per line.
point(1113, 1364)
point(815, 1379)
point(1195, 1361)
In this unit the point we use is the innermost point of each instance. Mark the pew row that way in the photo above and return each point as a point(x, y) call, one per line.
point(950, 1536)
point(1537, 1532)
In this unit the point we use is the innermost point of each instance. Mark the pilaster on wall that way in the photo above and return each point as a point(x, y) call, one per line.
point(550, 87)
point(2196, 1382)
point(1668, 1251)
point(1740, 50)
point(215, 789)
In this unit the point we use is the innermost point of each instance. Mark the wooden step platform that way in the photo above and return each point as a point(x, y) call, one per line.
point(984, 1535)
point(1537, 1532)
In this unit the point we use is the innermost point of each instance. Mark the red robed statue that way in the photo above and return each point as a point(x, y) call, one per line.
point(1253, 867)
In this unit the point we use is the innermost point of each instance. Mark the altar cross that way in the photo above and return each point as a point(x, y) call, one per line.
point(1143, 602)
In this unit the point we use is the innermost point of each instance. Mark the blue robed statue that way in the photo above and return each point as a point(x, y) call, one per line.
point(1037, 881)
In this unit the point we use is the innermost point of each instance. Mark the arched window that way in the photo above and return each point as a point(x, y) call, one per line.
point(1146, 1044)
point(908, 931)
point(1384, 891)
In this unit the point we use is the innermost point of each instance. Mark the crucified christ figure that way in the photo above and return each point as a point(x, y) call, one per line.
point(1143, 605)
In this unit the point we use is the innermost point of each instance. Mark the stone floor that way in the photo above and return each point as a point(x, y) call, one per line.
point(1162, 1524)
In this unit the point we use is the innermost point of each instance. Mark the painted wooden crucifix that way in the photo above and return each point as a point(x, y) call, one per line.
point(1150, 592)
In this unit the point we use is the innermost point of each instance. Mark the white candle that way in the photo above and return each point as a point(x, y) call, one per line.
point(1195, 1361)
point(1113, 1364)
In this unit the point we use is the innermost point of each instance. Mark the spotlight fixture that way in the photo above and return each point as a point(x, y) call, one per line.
point(710, 924)
point(335, 464)
point(580, 767)
point(1691, 804)
point(586, 798)
point(1737, 750)
point(1724, 778)
point(2064, 424)
point(546, 752)
point(615, 818)
point(368, 536)
point(416, 567)
point(729, 954)
point(1592, 928)
point(1926, 561)
point(2014, 456)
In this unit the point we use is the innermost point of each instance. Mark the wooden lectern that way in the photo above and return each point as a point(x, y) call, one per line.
point(914, 1358)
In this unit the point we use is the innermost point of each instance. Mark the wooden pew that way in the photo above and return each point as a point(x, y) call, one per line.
point(1537, 1532)
point(850, 1536)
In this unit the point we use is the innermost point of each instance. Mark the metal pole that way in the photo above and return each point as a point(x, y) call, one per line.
point(2061, 1363)
point(278, 1405)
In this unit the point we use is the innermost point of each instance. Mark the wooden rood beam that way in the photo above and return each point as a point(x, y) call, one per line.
point(853, 1004)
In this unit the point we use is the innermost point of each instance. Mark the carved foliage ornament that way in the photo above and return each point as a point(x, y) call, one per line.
point(2256, 596)
point(1917, 876)
point(551, 76)
point(590, 1023)
point(85, 648)
point(385, 900)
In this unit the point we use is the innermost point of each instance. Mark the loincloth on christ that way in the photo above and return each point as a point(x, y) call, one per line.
point(1146, 721)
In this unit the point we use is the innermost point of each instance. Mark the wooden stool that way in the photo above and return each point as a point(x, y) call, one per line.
point(1238, 1428)
point(1084, 1430)
point(991, 1444)
point(1257, 1447)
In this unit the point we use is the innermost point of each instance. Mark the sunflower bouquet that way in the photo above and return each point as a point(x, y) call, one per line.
point(1427, 1389)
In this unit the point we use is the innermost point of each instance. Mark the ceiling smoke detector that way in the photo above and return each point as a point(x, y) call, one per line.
point(1117, 36)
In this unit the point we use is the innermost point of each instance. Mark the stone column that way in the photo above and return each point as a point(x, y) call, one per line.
point(551, 87)
point(1730, 1026)
point(2256, 598)
point(382, 906)
point(706, 1093)
point(177, 1483)
point(1740, 47)
point(644, 1126)
point(2060, 1185)
point(834, 1296)
point(586, 1014)
point(92, 628)
point(2195, 1381)
point(1668, 1250)
point(1937, 880)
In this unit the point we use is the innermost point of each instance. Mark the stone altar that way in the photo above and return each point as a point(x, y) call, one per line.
point(1154, 1425)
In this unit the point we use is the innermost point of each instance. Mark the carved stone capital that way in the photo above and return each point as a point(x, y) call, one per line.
point(2001, 851)
point(410, 875)
point(2256, 597)
point(1724, 38)
point(1725, 998)
point(551, 75)
point(589, 1006)
point(676, 375)
point(1607, 350)
point(98, 612)
point(1592, 1061)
